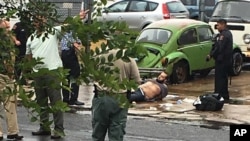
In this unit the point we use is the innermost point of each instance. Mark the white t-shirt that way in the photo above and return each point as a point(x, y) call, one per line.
point(47, 50)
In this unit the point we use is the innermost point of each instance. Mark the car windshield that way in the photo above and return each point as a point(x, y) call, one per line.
point(233, 11)
point(159, 36)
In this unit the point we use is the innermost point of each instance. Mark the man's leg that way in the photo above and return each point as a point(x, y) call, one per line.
point(42, 101)
point(11, 115)
point(74, 74)
point(55, 96)
point(224, 86)
point(100, 119)
point(66, 59)
point(74, 92)
point(118, 125)
point(66, 92)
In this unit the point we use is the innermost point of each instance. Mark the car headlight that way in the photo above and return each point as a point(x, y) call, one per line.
point(246, 38)
point(164, 62)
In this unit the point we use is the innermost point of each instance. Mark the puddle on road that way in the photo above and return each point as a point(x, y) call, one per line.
point(215, 126)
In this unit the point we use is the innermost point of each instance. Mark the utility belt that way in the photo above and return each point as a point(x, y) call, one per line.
point(98, 93)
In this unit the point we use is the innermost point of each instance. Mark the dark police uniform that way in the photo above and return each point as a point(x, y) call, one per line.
point(22, 36)
point(222, 53)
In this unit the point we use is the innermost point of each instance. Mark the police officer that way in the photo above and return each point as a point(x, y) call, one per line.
point(222, 53)
point(21, 36)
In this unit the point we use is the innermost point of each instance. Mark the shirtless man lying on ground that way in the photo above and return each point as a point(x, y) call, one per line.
point(151, 90)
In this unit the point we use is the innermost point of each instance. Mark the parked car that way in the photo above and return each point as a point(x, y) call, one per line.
point(140, 13)
point(238, 22)
point(180, 47)
point(193, 7)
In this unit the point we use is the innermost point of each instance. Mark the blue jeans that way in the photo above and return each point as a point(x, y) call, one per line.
point(137, 96)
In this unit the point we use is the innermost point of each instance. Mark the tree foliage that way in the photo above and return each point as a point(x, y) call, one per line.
point(94, 68)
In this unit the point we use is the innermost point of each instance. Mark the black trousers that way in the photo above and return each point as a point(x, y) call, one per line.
point(221, 79)
point(18, 60)
point(70, 61)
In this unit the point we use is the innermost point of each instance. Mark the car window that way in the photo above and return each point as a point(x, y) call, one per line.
point(188, 37)
point(119, 7)
point(233, 11)
point(176, 7)
point(152, 6)
point(137, 6)
point(159, 36)
point(209, 2)
point(189, 2)
point(204, 34)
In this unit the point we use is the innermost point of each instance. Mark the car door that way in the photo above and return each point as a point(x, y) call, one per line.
point(136, 14)
point(115, 12)
point(188, 44)
point(204, 35)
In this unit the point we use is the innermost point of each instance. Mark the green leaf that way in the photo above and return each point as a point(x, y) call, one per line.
point(119, 54)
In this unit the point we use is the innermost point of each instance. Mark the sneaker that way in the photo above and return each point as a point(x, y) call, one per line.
point(14, 137)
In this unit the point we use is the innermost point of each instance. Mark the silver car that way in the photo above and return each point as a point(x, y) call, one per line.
point(140, 13)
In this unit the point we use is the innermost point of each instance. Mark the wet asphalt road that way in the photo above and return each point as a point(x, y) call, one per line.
point(78, 128)
point(238, 89)
point(78, 125)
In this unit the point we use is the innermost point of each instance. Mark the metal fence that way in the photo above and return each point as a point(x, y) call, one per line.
point(67, 8)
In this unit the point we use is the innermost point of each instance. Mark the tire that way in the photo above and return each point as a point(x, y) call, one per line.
point(180, 73)
point(237, 64)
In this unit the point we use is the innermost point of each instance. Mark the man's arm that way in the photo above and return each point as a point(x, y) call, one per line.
point(135, 75)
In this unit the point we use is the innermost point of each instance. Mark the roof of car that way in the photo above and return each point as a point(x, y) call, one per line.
point(175, 23)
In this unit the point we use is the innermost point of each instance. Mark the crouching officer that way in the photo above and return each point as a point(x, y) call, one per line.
point(107, 115)
point(222, 52)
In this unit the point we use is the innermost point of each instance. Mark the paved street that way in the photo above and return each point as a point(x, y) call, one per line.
point(161, 121)
point(139, 128)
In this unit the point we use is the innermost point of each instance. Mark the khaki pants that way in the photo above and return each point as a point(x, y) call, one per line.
point(8, 106)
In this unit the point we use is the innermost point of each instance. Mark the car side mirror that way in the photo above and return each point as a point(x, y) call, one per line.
point(105, 10)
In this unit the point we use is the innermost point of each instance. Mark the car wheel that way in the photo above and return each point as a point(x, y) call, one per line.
point(237, 64)
point(180, 73)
